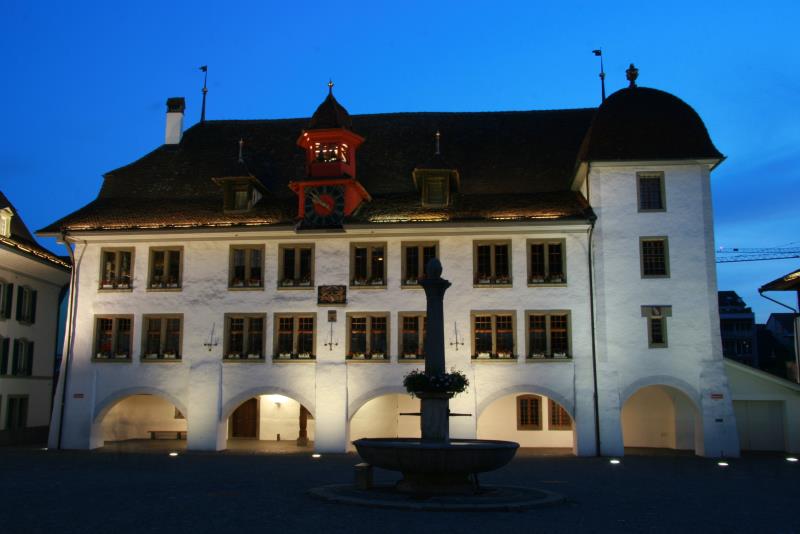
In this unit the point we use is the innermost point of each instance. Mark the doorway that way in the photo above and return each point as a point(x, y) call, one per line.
point(244, 421)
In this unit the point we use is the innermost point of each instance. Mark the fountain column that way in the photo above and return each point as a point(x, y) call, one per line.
point(435, 419)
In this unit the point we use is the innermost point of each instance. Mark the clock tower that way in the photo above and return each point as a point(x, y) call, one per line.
point(330, 190)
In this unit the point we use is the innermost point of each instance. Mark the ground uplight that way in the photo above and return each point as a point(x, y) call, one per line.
point(791, 459)
point(316, 455)
point(173, 454)
point(613, 461)
point(722, 464)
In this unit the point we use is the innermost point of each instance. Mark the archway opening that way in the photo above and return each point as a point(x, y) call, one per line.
point(539, 424)
point(661, 417)
point(140, 417)
point(270, 423)
point(381, 417)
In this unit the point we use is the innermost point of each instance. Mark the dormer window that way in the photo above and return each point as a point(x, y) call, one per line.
point(5, 222)
point(240, 193)
point(435, 191)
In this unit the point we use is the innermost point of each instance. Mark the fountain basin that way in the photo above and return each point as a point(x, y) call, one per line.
point(436, 467)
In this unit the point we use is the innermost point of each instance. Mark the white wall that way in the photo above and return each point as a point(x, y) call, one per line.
point(658, 417)
point(380, 418)
point(135, 416)
point(499, 421)
point(279, 414)
point(47, 280)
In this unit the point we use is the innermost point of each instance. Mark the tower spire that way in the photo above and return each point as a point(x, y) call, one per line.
point(599, 53)
point(204, 68)
point(330, 86)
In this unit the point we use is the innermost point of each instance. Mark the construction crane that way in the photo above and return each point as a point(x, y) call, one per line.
point(737, 254)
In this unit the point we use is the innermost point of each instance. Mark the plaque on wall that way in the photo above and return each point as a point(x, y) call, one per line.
point(331, 295)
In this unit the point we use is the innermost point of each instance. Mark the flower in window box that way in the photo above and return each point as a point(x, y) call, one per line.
point(357, 356)
point(504, 355)
point(285, 356)
point(559, 355)
point(306, 282)
point(233, 356)
point(484, 280)
point(151, 356)
point(172, 284)
point(537, 280)
point(170, 356)
point(287, 282)
point(107, 284)
point(252, 356)
point(237, 282)
point(557, 279)
point(304, 356)
point(254, 282)
point(502, 280)
point(378, 356)
point(410, 356)
point(121, 355)
point(376, 282)
point(484, 355)
point(101, 356)
point(537, 356)
point(412, 282)
point(359, 281)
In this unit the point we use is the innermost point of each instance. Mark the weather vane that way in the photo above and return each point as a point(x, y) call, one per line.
point(599, 53)
point(204, 69)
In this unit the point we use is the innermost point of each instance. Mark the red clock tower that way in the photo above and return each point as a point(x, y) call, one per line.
point(330, 190)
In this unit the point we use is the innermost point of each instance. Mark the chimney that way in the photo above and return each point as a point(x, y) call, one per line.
point(175, 107)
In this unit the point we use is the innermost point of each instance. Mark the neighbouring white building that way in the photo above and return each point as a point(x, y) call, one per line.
point(33, 282)
point(252, 278)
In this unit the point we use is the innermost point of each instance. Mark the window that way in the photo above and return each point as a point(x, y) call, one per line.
point(492, 263)
point(367, 265)
point(22, 361)
point(4, 355)
point(559, 418)
point(5, 222)
point(112, 337)
point(655, 257)
point(368, 336)
point(6, 298)
point(651, 191)
point(296, 266)
point(415, 259)
point(529, 412)
point(294, 337)
point(546, 262)
point(246, 267)
point(26, 305)
point(412, 335)
point(162, 337)
point(165, 268)
point(330, 152)
point(17, 412)
point(244, 337)
point(548, 335)
point(116, 270)
point(435, 191)
point(657, 325)
point(493, 335)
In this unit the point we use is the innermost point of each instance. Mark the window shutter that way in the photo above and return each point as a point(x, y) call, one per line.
point(34, 294)
point(9, 296)
point(29, 359)
point(15, 358)
point(20, 291)
point(4, 356)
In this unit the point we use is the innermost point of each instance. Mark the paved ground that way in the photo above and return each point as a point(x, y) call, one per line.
point(119, 492)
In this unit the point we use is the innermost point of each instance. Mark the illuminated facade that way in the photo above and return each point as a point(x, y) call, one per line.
point(260, 279)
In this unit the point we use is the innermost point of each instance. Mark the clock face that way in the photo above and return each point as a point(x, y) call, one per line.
point(324, 206)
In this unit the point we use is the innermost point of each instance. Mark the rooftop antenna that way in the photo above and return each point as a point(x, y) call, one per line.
point(438, 137)
point(204, 68)
point(599, 53)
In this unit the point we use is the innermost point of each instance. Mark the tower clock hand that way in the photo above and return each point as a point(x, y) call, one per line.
point(316, 199)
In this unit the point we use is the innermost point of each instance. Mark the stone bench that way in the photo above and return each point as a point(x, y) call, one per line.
point(167, 434)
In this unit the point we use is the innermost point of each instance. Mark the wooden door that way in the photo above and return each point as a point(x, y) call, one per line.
point(244, 421)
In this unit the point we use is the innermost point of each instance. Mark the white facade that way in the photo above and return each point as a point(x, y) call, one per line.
point(207, 390)
point(26, 387)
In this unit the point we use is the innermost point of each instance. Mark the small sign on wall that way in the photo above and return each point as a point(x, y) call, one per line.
point(717, 396)
point(77, 395)
point(331, 295)
point(331, 316)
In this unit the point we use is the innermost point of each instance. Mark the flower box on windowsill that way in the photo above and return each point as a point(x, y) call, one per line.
point(536, 280)
point(233, 356)
point(304, 283)
point(556, 279)
point(377, 282)
point(253, 356)
point(411, 356)
point(304, 356)
point(537, 356)
point(484, 281)
point(101, 356)
point(483, 355)
point(357, 356)
point(170, 356)
point(237, 283)
point(359, 282)
point(123, 285)
point(254, 283)
point(377, 356)
point(411, 282)
point(504, 356)
point(121, 356)
point(172, 285)
point(285, 356)
point(152, 356)
point(560, 355)
point(106, 285)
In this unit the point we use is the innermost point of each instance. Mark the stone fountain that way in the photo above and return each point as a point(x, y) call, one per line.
point(436, 464)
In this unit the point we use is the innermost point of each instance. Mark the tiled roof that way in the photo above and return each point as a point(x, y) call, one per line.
point(22, 241)
point(511, 165)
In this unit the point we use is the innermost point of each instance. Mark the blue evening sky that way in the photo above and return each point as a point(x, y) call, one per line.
point(84, 84)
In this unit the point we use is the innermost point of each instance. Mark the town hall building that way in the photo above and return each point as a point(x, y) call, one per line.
point(260, 279)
